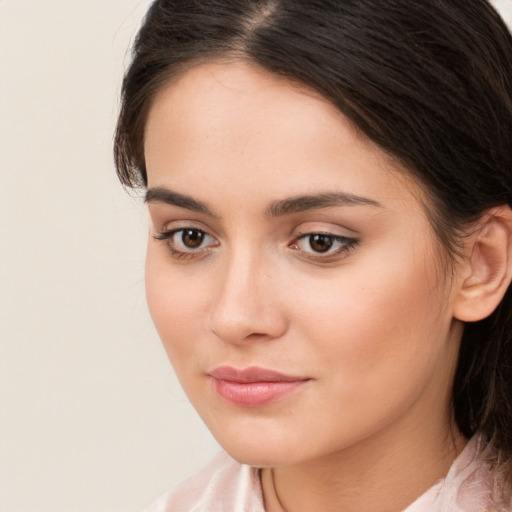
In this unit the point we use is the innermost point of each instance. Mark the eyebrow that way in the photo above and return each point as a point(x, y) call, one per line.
point(164, 195)
point(317, 201)
point(279, 208)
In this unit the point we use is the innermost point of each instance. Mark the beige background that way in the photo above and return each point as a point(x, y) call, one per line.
point(91, 416)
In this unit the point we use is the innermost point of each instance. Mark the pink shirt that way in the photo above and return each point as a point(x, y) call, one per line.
point(224, 485)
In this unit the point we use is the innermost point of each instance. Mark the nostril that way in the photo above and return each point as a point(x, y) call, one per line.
point(247, 337)
point(256, 335)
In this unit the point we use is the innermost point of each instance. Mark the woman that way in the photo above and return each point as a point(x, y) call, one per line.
point(329, 186)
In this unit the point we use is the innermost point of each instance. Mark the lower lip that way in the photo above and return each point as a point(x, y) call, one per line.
point(254, 394)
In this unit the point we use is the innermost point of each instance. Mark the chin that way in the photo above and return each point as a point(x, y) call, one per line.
point(264, 449)
point(259, 457)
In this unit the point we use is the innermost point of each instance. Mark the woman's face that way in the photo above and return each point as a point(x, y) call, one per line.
point(291, 272)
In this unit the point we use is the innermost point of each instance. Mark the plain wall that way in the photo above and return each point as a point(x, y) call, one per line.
point(91, 416)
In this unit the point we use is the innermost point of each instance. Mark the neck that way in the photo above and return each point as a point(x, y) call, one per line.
point(373, 475)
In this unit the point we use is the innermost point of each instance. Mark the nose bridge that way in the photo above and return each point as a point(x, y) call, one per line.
point(246, 303)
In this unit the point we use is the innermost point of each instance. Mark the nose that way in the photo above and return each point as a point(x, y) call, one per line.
point(247, 306)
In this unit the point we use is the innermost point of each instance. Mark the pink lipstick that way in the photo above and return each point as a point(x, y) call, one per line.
point(253, 387)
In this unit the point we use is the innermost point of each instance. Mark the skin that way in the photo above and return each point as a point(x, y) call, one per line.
point(370, 322)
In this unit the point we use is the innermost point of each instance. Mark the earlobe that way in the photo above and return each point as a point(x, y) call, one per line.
point(486, 272)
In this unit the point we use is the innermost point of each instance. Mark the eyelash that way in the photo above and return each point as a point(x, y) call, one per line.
point(346, 245)
point(167, 237)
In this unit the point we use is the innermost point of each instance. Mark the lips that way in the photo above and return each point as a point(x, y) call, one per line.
point(254, 386)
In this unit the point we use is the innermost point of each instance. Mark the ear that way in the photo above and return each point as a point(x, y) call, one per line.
point(486, 271)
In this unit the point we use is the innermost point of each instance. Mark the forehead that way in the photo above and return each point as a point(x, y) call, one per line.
point(224, 122)
point(202, 87)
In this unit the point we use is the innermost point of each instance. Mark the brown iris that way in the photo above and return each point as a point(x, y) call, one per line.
point(192, 238)
point(320, 243)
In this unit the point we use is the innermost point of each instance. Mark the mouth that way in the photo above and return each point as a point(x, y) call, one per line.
point(253, 386)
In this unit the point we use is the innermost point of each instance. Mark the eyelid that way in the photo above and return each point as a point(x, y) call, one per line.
point(325, 227)
point(167, 233)
point(165, 226)
point(348, 243)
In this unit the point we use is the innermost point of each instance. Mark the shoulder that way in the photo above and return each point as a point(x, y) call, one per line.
point(224, 485)
point(474, 483)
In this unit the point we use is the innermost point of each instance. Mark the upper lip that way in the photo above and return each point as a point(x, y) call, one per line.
point(251, 374)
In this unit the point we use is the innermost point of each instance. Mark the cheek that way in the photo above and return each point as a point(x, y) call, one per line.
point(377, 323)
point(375, 340)
point(175, 302)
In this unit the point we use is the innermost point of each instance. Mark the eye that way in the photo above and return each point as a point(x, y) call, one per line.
point(191, 238)
point(320, 242)
point(187, 242)
point(323, 246)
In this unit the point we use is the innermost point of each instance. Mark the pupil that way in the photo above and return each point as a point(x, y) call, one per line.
point(192, 238)
point(320, 243)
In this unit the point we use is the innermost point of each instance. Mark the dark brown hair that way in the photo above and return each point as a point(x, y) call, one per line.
point(430, 81)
